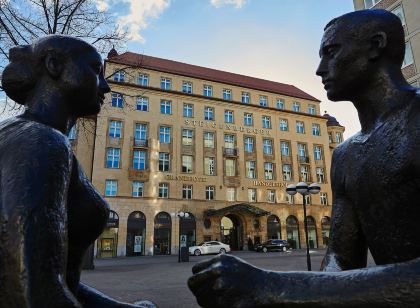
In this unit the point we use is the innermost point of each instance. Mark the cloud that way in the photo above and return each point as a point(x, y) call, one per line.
point(237, 3)
point(102, 5)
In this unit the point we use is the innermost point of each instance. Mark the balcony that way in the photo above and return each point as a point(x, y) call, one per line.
point(303, 159)
point(141, 143)
point(230, 152)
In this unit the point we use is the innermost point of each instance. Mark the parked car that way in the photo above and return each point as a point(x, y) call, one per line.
point(209, 248)
point(273, 245)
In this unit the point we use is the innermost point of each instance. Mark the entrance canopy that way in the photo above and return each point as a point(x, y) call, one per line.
point(245, 208)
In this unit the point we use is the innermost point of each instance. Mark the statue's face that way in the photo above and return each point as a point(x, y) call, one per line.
point(344, 63)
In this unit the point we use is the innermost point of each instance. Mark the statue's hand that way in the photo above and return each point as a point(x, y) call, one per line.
point(227, 281)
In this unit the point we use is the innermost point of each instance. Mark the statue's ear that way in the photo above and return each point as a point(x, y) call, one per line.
point(378, 43)
point(54, 65)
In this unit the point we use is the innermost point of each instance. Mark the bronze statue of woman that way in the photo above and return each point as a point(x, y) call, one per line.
point(49, 211)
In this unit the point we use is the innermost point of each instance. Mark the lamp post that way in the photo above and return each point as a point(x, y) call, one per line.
point(303, 189)
point(180, 215)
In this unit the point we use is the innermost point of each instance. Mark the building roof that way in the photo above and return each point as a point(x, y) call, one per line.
point(331, 121)
point(179, 68)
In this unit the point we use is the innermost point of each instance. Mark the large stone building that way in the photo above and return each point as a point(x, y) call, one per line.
point(409, 13)
point(177, 138)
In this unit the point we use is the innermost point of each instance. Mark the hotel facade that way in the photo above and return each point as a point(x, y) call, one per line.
point(174, 138)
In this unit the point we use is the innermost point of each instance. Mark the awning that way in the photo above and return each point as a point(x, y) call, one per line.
point(245, 208)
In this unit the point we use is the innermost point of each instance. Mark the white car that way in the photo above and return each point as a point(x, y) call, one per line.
point(208, 248)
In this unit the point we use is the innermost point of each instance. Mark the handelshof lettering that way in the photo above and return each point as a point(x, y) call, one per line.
point(236, 128)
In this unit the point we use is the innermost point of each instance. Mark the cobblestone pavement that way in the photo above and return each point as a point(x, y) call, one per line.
point(163, 280)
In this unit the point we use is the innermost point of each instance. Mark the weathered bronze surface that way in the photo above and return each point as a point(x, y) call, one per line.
point(49, 211)
point(376, 182)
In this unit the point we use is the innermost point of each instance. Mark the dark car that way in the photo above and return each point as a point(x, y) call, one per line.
point(273, 245)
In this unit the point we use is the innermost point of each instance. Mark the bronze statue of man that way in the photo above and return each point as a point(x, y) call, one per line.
point(375, 182)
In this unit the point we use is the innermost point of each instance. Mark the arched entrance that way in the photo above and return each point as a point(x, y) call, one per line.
point(232, 231)
point(187, 227)
point(162, 234)
point(292, 230)
point(312, 239)
point(325, 226)
point(136, 234)
point(108, 241)
point(273, 227)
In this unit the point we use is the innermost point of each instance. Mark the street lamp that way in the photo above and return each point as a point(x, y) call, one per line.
point(303, 189)
point(181, 215)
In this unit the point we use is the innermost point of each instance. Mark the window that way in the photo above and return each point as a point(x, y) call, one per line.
point(285, 148)
point(230, 167)
point(280, 103)
point(301, 149)
point(330, 138)
point(119, 75)
point(163, 161)
point(324, 198)
point(207, 90)
point(284, 125)
point(300, 127)
point(245, 97)
point(143, 80)
point(287, 172)
point(307, 199)
point(138, 189)
point(163, 190)
point(117, 100)
point(142, 103)
point(408, 56)
point(320, 177)
point(165, 107)
point(187, 87)
point(187, 137)
point(263, 100)
point(208, 113)
point(114, 130)
point(370, 3)
point(73, 132)
point(252, 195)
point(268, 147)
point(139, 160)
point(316, 129)
point(249, 144)
point(289, 199)
point(165, 134)
point(187, 191)
point(250, 170)
point(304, 174)
point(209, 192)
point(209, 140)
point(231, 194)
point(271, 195)
point(229, 141)
point(188, 110)
point(399, 12)
point(228, 116)
point(165, 83)
point(318, 152)
point(140, 132)
point(338, 137)
point(296, 106)
point(311, 109)
point(187, 164)
point(113, 157)
point(209, 166)
point(227, 94)
point(268, 171)
point(248, 120)
point(266, 122)
point(111, 188)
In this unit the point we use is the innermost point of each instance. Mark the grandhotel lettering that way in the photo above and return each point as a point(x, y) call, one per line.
point(269, 184)
point(236, 128)
point(189, 178)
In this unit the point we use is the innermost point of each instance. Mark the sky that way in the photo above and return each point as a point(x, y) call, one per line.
point(270, 39)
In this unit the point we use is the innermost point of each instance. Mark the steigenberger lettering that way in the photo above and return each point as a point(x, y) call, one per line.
point(189, 178)
point(226, 126)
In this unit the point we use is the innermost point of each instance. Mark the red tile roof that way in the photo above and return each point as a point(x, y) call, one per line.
point(179, 68)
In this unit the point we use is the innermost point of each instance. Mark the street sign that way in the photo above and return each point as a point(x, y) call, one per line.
point(183, 240)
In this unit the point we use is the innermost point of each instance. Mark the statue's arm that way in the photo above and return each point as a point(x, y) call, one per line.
point(347, 248)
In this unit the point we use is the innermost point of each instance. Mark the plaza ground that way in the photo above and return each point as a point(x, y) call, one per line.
point(163, 280)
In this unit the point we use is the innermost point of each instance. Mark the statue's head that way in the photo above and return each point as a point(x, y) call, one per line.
point(357, 45)
point(57, 64)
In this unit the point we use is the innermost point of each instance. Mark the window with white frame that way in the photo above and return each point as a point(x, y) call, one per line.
point(117, 100)
point(164, 161)
point(311, 109)
point(165, 107)
point(165, 134)
point(268, 171)
point(165, 83)
point(245, 97)
point(210, 192)
point(300, 127)
point(330, 140)
point(320, 176)
point(285, 148)
point(268, 146)
point(287, 172)
point(229, 141)
point(227, 94)
point(207, 90)
point(188, 111)
point(140, 131)
point(370, 3)
point(230, 167)
point(408, 56)
point(187, 137)
point(252, 195)
point(209, 140)
point(289, 198)
point(208, 113)
point(73, 132)
point(187, 87)
point(280, 103)
point(187, 191)
point(399, 12)
point(111, 188)
point(266, 122)
point(138, 189)
point(209, 166)
point(271, 195)
point(114, 130)
point(248, 119)
point(301, 149)
point(263, 101)
point(231, 194)
point(307, 199)
point(316, 129)
point(139, 160)
point(119, 75)
point(284, 125)
point(250, 172)
point(187, 164)
point(304, 174)
point(113, 156)
point(142, 103)
point(318, 152)
point(296, 106)
point(228, 116)
point(143, 80)
point(249, 144)
point(338, 137)
point(324, 198)
point(163, 190)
